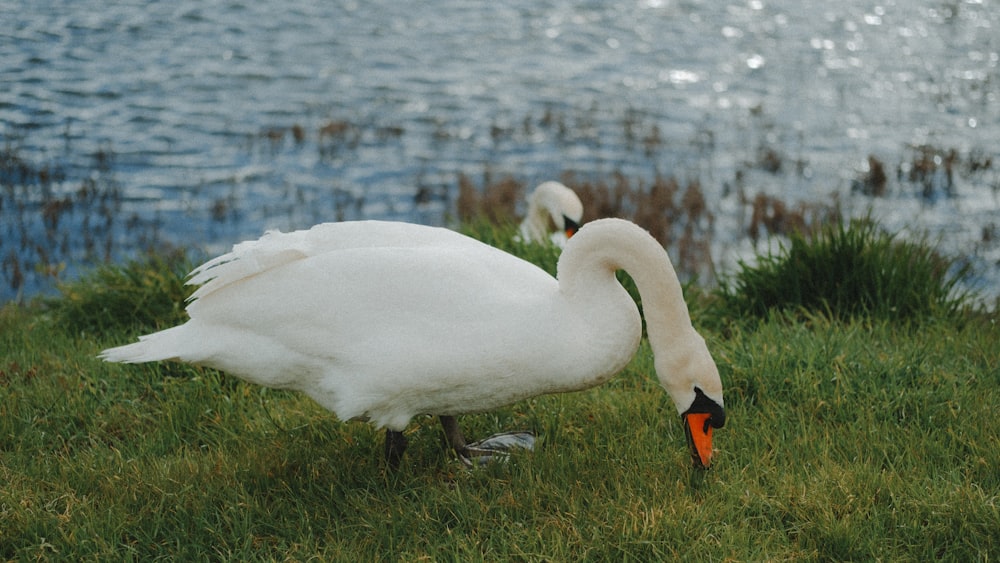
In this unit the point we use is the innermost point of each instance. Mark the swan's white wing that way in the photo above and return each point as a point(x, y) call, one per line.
point(275, 248)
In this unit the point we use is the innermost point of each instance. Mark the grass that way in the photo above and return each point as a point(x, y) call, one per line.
point(857, 438)
point(848, 270)
point(143, 295)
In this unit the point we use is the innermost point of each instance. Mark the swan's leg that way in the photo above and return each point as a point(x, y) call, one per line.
point(395, 445)
point(496, 446)
point(454, 434)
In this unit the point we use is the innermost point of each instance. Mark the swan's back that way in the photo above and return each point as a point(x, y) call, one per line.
point(276, 249)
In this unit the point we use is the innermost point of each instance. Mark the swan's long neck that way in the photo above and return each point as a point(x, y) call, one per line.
point(607, 245)
point(535, 226)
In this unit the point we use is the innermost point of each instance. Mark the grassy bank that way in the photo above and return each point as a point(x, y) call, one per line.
point(858, 438)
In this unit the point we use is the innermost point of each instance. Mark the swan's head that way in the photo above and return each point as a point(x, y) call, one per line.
point(699, 420)
point(693, 382)
point(562, 205)
point(569, 226)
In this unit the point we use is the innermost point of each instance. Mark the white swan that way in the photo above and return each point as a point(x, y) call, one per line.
point(551, 203)
point(384, 321)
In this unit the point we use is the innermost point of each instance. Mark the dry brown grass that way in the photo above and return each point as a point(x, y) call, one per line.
point(928, 170)
point(497, 200)
point(772, 216)
point(676, 215)
point(874, 182)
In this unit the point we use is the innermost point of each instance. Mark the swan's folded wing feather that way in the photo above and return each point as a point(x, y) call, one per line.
point(276, 249)
point(246, 259)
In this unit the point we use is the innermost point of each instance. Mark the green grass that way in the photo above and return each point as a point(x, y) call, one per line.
point(849, 270)
point(143, 295)
point(862, 438)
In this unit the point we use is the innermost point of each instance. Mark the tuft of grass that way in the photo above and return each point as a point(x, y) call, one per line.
point(849, 270)
point(142, 295)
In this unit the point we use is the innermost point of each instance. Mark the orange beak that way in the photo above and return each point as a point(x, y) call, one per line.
point(699, 438)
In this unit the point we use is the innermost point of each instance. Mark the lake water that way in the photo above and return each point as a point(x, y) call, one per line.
point(204, 123)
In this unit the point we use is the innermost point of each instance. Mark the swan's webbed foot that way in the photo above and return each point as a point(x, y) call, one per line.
point(395, 445)
point(496, 447)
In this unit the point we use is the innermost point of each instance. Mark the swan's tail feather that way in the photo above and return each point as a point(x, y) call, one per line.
point(163, 345)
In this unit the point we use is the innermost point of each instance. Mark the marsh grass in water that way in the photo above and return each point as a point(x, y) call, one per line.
point(848, 439)
point(63, 212)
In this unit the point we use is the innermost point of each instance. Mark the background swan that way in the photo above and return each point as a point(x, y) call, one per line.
point(551, 203)
point(384, 321)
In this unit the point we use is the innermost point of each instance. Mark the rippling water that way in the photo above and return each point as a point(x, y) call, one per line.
point(180, 116)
